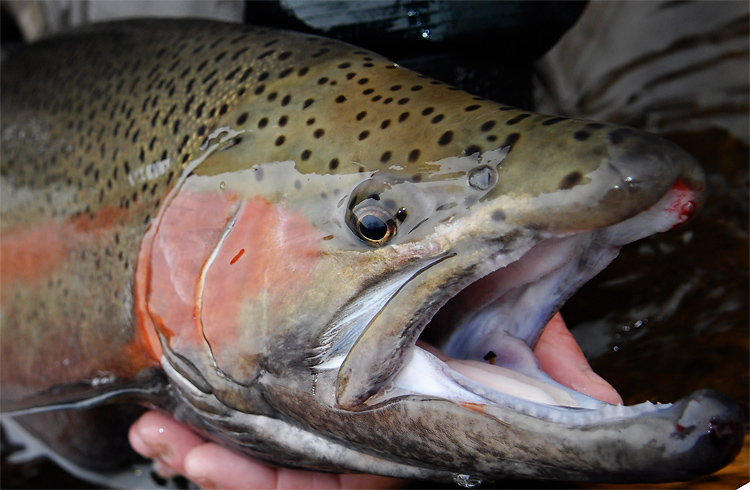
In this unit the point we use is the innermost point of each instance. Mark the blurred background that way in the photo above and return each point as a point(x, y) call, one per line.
point(670, 315)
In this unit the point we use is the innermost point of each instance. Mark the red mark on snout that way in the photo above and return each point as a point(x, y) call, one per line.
point(237, 257)
point(683, 205)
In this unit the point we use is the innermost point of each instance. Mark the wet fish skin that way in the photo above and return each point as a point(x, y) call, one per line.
point(100, 126)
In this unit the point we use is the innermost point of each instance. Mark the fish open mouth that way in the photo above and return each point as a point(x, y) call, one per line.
point(477, 350)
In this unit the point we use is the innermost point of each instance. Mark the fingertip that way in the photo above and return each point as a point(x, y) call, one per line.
point(160, 437)
point(212, 466)
point(561, 357)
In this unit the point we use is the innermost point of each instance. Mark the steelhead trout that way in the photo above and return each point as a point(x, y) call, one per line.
point(252, 229)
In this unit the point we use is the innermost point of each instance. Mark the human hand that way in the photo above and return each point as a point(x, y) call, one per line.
point(178, 450)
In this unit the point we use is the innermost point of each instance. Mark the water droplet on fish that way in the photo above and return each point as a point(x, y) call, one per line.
point(466, 481)
point(222, 185)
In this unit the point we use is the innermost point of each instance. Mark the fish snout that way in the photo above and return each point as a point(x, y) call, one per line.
point(617, 175)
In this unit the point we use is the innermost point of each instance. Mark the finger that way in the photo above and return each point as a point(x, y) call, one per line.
point(560, 356)
point(212, 466)
point(160, 437)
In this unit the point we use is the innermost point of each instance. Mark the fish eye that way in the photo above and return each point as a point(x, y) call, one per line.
point(373, 225)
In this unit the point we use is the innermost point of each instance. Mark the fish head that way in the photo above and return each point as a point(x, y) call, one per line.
point(356, 298)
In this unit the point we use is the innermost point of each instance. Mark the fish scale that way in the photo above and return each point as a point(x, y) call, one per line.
point(175, 192)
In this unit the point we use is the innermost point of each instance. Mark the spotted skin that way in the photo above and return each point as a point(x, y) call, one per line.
point(98, 144)
point(100, 125)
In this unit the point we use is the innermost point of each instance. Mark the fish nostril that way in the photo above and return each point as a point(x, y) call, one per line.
point(482, 178)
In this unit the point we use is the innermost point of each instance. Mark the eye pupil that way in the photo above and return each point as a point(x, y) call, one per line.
point(373, 228)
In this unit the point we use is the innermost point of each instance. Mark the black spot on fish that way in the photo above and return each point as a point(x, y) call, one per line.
point(242, 118)
point(414, 155)
point(385, 157)
point(239, 53)
point(306, 155)
point(286, 72)
point(472, 150)
point(318, 133)
point(361, 115)
point(209, 76)
point(280, 140)
point(571, 180)
point(471, 108)
point(363, 135)
point(263, 123)
point(554, 120)
point(511, 139)
point(403, 101)
point(428, 111)
point(445, 138)
point(517, 119)
point(307, 103)
point(595, 125)
point(437, 119)
point(581, 135)
point(403, 117)
point(283, 120)
point(385, 124)
point(245, 75)
point(487, 126)
point(285, 101)
point(333, 164)
point(232, 73)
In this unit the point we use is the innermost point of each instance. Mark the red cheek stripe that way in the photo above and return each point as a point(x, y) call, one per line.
point(237, 257)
